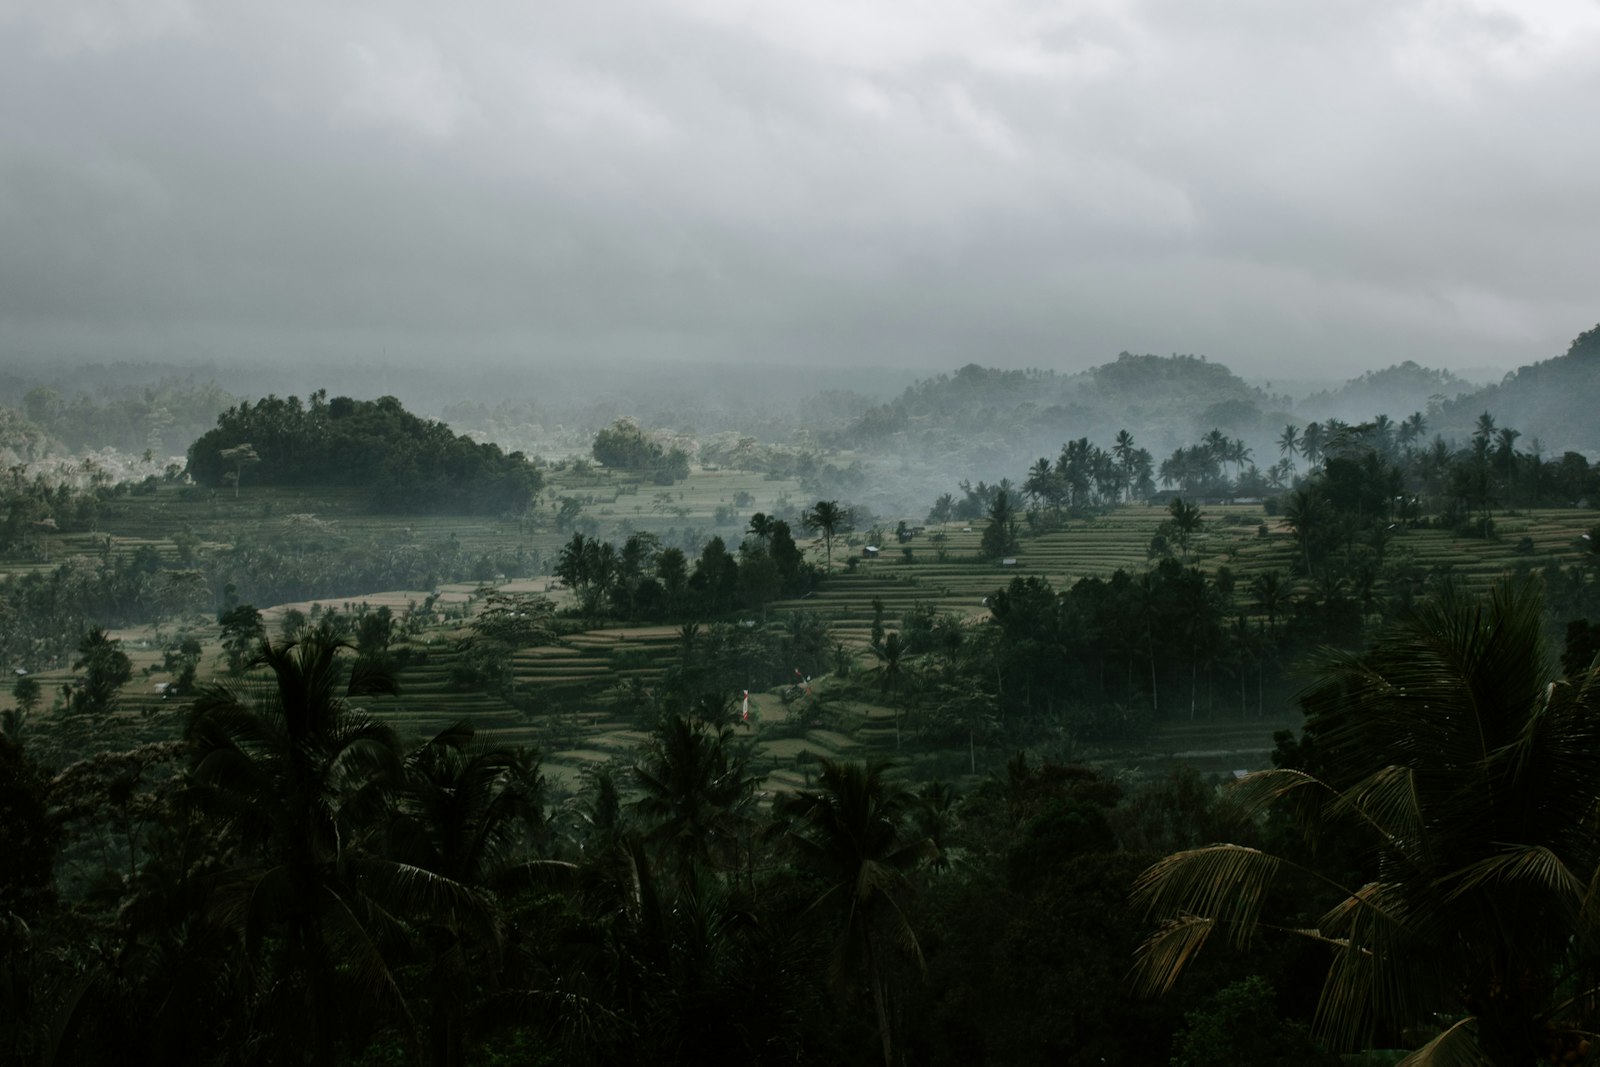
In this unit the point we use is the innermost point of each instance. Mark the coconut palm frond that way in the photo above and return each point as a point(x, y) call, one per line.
point(1451, 738)
point(1375, 973)
point(1262, 789)
point(1457, 1046)
point(543, 874)
point(1533, 865)
point(1388, 801)
point(1376, 899)
point(364, 962)
point(1344, 1010)
point(369, 679)
point(412, 891)
point(1223, 882)
point(1165, 954)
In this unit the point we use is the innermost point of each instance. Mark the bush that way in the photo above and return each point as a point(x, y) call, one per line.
point(1241, 1024)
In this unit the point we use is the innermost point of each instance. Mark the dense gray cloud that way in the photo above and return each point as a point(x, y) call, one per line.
point(1289, 188)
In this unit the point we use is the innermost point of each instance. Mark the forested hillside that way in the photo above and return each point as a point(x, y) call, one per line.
point(408, 464)
point(1396, 391)
point(1554, 399)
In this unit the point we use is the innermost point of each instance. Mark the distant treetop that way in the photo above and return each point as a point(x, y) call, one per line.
point(624, 446)
point(409, 464)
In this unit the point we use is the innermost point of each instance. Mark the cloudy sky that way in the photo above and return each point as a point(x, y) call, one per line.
point(1288, 187)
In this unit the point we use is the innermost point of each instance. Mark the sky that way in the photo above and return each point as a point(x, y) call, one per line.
point(1301, 189)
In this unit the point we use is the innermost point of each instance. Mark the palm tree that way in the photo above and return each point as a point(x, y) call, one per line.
point(1148, 609)
point(1173, 468)
point(698, 794)
point(891, 672)
point(1467, 767)
point(1123, 447)
point(858, 831)
point(1127, 456)
point(1000, 536)
point(1483, 430)
point(1311, 443)
point(1505, 454)
point(1144, 469)
point(1272, 595)
point(464, 813)
point(829, 519)
point(1239, 454)
point(298, 781)
point(106, 668)
point(1289, 444)
point(1382, 431)
point(1306, 512)
point(1186, 522)
point(1039, 483)
point(1412, 427)
point(760, 526)
point(1435, 462)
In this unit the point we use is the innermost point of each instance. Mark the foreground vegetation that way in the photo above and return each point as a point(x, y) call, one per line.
point(317, 888)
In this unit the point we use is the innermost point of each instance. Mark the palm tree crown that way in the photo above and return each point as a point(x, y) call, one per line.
point(298, 780)
point(1470, 771)
point(858, 831)
point(830, 520)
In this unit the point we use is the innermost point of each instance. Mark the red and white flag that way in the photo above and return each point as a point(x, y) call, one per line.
point(746, 705)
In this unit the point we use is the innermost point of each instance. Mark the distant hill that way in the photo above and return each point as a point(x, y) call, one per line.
point(986, 423)
point(1168, 399)
point(1395, 391)
point(1554, 400)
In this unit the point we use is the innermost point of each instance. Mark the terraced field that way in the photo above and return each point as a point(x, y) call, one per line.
point(615, 501)
point(576, 675)
point(598, 659)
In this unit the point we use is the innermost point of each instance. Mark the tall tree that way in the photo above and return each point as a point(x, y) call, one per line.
point(465, 813)
point(829, 519)
point(697, 795)
point(295, 778)
point(1000, 536)
point(106, 669)
point(1186, 521)
point(858, 831)
point(1039, 484)
point(1289, 444)
point(1311, 439)
point(242, 632)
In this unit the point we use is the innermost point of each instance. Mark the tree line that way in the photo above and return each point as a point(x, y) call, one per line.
point(643, 580)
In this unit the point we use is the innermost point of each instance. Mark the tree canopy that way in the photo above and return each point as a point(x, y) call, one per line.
point(408, 464)
point(624, 446)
